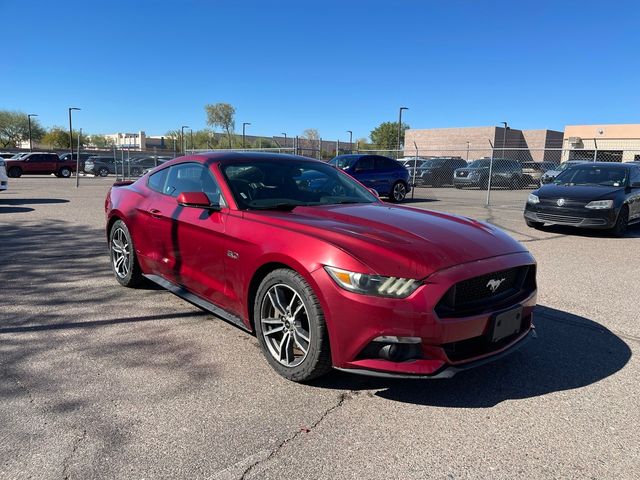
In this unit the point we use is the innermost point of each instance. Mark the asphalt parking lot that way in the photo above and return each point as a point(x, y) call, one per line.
point(98, 381)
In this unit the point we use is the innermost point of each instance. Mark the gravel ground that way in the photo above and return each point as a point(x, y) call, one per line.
point(98, 381)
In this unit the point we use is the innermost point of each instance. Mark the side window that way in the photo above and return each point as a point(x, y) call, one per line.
point(380, 164)
point(390, 164)
point(157, 180)
point(635, 175)
point(191, 177)
point(364, 164)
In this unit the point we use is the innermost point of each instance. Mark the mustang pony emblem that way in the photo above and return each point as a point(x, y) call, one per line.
point(494, 284)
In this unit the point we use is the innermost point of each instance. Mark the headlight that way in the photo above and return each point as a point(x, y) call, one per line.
point(599, 204)
point(533, 199)
point(393, 287)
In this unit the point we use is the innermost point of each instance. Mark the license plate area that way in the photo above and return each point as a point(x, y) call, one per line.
point(506, 324)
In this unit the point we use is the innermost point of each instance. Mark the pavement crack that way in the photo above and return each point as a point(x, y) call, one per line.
point(67, 460)
point(342, 398)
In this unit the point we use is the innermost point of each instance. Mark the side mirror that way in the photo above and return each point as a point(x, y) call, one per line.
point(375, 192)
point(635, 185)
point(196, 200)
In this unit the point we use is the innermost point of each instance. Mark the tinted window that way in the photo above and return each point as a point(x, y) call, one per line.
point(191, 177)
point(593, 175)
point(389, 163)
point(157, 180)
point(479, 164)
point(343, 162)
point(364, 164)
point(635, 175)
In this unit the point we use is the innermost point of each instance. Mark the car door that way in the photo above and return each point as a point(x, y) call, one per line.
point(41, 163)
point(190, 242)
point(633, 198)
point(363, 171)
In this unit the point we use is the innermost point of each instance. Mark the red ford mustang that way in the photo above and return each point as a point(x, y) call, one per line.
point(322, 271)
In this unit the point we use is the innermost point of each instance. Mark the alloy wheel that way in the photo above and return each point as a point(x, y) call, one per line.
point(399, 192)
point(285, 325)
point(121, 256)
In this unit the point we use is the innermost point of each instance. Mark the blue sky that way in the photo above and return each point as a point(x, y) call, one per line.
point(335, 66)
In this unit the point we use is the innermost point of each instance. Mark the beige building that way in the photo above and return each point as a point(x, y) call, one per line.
point(611, 143)
point(472, 143)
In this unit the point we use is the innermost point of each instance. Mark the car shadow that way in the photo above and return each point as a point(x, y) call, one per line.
point(15, 209)
point(31, 201)
point(633, 232)
point(570, 352)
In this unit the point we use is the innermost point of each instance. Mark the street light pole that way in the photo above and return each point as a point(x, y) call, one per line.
point(468, 145)
point(184, 148)
point(400, 125)
point(350, 141)
point(191, 138)
point(29, 118)
point(244, 124)
point(504, 136)
point(71, 142)
point(285, 139)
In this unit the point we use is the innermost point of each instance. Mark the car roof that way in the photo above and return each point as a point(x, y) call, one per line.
point(240, 157)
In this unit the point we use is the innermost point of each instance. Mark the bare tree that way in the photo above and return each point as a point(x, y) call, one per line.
point(311, 134)
point(221, 115)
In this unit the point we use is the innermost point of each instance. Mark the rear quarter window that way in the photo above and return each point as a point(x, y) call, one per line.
point(157, 180)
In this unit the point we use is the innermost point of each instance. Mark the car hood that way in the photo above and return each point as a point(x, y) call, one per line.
point(577, 192)
point(396, 240)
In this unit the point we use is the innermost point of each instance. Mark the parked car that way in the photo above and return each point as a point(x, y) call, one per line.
point(533, 171)
point(589, 195)
point(65, 157)
point(411, 162)
point(6, 154)
point(549, 175)
point(100, 165)
point(437, 172)
point(142, 164)
point(504, 173)
point(4, 179)
point(322, 271)
point(39, 164)
point(385, 175)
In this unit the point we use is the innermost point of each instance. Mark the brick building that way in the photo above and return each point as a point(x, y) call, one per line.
point(475, 142)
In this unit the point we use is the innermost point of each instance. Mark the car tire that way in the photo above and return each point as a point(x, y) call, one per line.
point(15, 172)
point(622, 222)
point(398, 192)
point(64, 172)
point(459, 187)
point(122, 255)
point(532, 224)
point(285, 311)
point(484, 185)
point(103, 172)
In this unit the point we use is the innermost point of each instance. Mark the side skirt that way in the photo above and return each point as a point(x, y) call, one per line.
point(199, 302)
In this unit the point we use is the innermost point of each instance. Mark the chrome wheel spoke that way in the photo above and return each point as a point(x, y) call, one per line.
point(275, 304)
point(300, 346)
point(302, 334)
point(274, 330)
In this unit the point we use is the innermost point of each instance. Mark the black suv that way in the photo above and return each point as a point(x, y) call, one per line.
point(504, 173)
point(437, 171)
point(139, 165)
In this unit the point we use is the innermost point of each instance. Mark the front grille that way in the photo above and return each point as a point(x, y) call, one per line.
point(567, 202)
point(549, 217)
point(487, 292)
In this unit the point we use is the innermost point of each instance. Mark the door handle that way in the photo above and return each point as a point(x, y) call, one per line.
point(155, 213)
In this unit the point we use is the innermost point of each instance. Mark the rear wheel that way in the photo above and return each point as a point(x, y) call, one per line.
point(290, 327)
point(15, 172)
point(622, 222)
point(398, 192)
point(64, 172)
point(124, 262)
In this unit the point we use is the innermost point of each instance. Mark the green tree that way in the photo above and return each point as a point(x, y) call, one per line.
point(385, 135)
point(99, 141)
point(58, 137)
point(221, 115)
point(14, 128)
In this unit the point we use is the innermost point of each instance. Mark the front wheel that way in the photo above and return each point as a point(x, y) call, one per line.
point(64, 172)
point(290, 327)
point(103, 172)
point(124, 262)
point(15, 172)
point(622, 222)
point(398, 192)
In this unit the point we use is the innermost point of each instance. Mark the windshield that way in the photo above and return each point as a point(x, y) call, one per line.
point(266, 184)
point(592, 175)
point(432, 163)
point(562, 167)
point(479, 164)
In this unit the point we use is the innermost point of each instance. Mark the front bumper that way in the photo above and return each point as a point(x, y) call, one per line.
point(466, 181)
point(574, 217)
point(354, 321)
